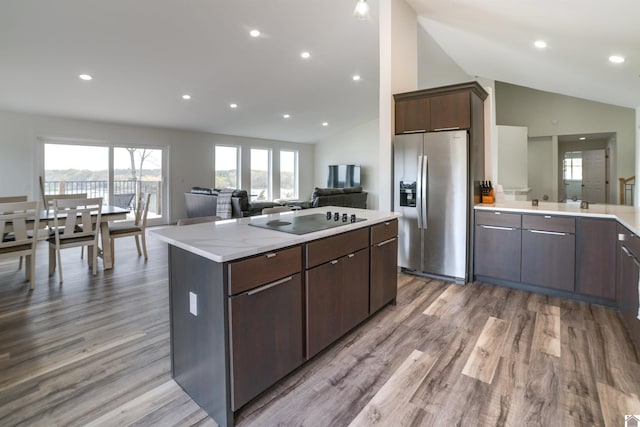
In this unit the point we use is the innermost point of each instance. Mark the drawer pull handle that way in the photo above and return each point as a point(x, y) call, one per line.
point(553, 233)
point(414, 131)
point(495, 227)
point(497, 213)
point(270, 285)
point(334, 262)
point(451, 128)
point(271, 255)
point(351, 255)
point(386, 242)
point(633, 258)
point(547, 216)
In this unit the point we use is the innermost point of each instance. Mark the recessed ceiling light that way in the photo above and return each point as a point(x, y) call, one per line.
point(286, 116)
point(356, 77)
point(186, 97)
point(325, 124)
point(86, 77)
point(540, 44)
point(233, 105)
point(582, 138)
point(305, 55)
point(616, 59)
point(254, 33)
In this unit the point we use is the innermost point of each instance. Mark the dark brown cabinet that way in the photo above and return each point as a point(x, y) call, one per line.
point(596, 258)
point(444, 108)
point(383, 265)
point(450, 111)
point(412, 115)
point(239, 326)
point(627, 281)
point(266, 336)
point(548, 251)
point(498, 242)
point(337, 295)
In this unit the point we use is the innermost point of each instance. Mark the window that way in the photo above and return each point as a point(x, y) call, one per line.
point(226, 167)
point(288, 174)
point(260, 174)
point(117, 174)
point(73, 169)
point(137, 170)
point(572, 166)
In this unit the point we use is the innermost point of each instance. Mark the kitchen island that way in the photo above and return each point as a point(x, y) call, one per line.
point(249, 304)
point(563, 250)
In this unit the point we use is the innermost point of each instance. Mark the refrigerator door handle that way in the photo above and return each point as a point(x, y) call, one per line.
point(419, 192)
point(425, 196)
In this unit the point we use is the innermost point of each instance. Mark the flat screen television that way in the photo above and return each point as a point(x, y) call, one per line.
point(341, 176)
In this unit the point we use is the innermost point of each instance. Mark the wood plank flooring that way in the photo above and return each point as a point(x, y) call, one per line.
point(95, 351)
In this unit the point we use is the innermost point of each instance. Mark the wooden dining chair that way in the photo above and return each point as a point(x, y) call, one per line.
point(49, 198)
point(12, 199)
point(16, 220)
point(137, 229)
point(76, 222)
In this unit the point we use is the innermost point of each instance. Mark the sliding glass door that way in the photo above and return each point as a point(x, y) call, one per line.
point(117, 174)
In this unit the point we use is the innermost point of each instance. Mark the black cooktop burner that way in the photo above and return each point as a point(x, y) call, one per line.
point(306, 223)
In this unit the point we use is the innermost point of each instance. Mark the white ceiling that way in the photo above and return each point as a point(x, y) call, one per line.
point(494, 39)
point(144, 54)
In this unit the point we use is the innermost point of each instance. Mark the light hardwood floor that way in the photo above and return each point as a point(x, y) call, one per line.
point(95, 351)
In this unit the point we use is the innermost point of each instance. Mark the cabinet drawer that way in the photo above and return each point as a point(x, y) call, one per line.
point(560, 224)
point(324, 250)
point(264, 268)
point(498, 219)
point(630, 240)
point(384, 231)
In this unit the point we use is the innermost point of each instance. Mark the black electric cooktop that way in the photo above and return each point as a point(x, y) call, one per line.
point(306, 223)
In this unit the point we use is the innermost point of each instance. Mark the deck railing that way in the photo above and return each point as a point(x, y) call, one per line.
point(101, 189)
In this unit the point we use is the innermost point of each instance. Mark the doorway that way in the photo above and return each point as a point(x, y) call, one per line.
point(584, 172)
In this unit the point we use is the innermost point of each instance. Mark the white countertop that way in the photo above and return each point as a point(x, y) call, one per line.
point(629, 216)
point(227, 240)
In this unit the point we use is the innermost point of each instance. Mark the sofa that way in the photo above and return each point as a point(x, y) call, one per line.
point(204, 202)
point(351, 197)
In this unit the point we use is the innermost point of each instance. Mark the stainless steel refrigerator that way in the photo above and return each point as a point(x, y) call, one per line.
point(431, 190)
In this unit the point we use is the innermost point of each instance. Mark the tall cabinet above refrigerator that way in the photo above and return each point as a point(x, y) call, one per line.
point(438, 166)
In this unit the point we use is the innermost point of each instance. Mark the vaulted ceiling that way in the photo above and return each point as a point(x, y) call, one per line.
point(144, 55)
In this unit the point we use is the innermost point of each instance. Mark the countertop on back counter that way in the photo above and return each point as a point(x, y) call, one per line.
point(629, 216)
point(227, 240)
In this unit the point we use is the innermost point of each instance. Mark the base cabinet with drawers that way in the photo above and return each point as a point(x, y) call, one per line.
point(548, 251)
point(628, 279)
point(337, 285)
point(383, 265)
point(498, 245)
point(573, 255)
point(238, 327)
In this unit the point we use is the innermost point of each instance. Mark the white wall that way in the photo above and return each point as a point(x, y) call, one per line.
point(435, 67)
point(512, 157)
point(357, 147)
point(549, 114)
point(398, 73)
point(541, 167)
point(190, 153)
